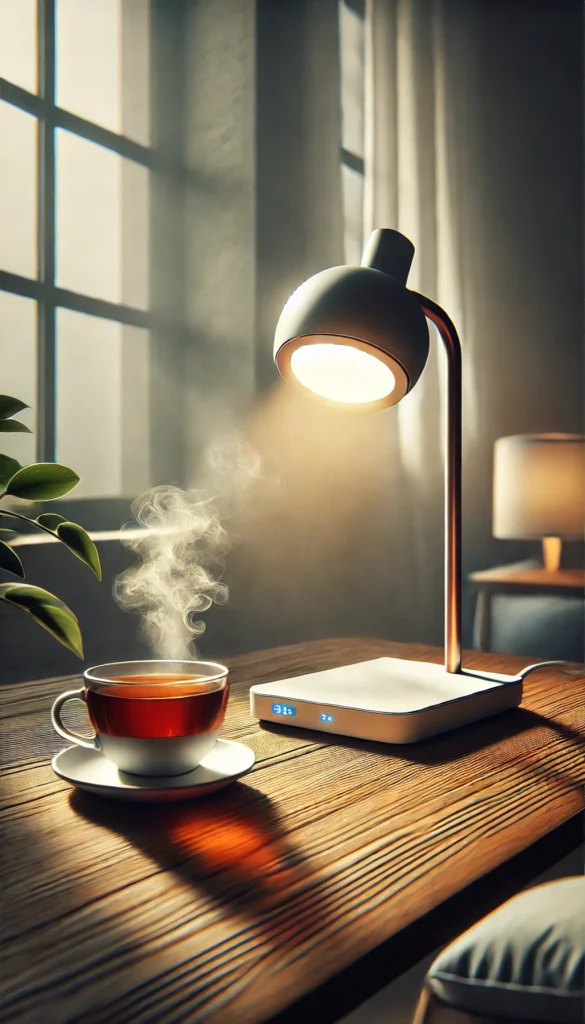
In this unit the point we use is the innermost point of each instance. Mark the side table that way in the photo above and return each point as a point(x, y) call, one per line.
point(518, 578)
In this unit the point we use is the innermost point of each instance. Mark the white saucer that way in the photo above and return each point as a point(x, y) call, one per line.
point(89, 769)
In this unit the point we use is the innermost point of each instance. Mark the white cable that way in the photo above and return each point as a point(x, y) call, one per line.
point(545, 664)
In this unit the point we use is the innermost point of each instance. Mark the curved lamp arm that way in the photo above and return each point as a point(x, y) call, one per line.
point(453, 431)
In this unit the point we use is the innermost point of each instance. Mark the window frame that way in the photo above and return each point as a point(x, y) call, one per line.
point(350, 159)
point(43, 289)
point(347, 158)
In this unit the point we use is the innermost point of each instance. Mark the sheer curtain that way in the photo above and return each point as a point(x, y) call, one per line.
point(420, 81)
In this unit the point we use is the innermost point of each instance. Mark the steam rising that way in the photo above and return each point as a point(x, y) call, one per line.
point(181, 549)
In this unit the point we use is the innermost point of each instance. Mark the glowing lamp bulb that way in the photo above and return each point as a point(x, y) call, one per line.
point(342, 373)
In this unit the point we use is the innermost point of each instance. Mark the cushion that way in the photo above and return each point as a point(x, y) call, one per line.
point(524, 961)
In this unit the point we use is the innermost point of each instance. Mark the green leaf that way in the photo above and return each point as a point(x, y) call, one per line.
point(13, 427)
point(48, 611)
point(10, 561)
point(8, 467)
point(42, 481)
point(81, 544)
point(50, 520)
point(10, 406)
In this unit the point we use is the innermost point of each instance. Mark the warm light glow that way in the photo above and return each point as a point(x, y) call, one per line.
point(342, 373)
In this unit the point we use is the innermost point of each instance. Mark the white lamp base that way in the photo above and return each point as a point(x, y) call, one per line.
point(389, 700)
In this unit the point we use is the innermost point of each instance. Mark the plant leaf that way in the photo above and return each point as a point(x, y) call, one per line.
point(50, 520)
point(8, 467)
point(42, 482)
point(13, 427)
point(10, 406)
point(81, 544)
point(10, 561)
point(48, 611)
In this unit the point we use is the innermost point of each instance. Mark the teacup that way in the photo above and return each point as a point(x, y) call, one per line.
point(151, 717)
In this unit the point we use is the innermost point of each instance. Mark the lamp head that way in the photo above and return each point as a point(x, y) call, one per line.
point(356, 335)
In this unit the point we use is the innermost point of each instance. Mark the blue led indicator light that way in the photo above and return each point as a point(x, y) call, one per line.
point(325, 718)
point(284, 709)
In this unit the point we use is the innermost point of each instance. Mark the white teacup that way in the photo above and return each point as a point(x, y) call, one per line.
point(151, 717)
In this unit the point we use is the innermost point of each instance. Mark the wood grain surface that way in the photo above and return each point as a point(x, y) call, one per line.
point(231, 908)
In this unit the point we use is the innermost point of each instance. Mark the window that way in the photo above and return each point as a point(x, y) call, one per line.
point(352, 62)
point(75, 168)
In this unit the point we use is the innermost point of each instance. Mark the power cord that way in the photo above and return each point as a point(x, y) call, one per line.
point(545, 664)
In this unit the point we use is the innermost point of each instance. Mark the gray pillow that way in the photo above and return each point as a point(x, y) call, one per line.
point(526, 960)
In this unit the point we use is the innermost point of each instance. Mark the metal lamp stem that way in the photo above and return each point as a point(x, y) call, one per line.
point(453, 434)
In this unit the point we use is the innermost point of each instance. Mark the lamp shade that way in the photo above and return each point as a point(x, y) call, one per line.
point(539, 487)
point(355, 335)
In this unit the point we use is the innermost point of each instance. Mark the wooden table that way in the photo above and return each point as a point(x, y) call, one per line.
point(325, 872)
point(518, 578)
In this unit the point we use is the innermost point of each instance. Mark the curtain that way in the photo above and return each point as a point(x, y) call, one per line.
point(419, 56)
point(474, 149)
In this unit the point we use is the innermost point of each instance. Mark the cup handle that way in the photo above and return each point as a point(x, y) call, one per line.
point(82, 741)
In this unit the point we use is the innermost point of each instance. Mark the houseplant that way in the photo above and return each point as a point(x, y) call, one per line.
point(43, 481)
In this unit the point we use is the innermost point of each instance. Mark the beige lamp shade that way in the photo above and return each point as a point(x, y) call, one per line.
point(539, 486)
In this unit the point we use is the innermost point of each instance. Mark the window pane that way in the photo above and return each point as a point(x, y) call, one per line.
point(102, 63)
point(102, 404)
point(351, 29)
point(18, 341)
point(102, 222)
point(353, 204)
point(18, 42)
point(18, 191)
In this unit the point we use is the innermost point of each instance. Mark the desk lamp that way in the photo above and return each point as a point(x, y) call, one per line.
point(359, 336)
point(539, 491)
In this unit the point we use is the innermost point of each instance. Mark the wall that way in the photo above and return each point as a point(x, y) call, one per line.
point(298, 138)
point(219, 220)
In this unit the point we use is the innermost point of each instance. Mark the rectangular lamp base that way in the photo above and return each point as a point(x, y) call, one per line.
point(389, 700)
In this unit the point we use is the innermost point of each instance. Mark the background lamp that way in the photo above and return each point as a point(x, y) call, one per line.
point(358, 336)
point(539, 491)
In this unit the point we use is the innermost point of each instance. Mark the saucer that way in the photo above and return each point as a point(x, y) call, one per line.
point(91, 770)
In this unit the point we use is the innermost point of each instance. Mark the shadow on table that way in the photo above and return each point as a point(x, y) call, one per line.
point(229, 845)
point(450, 747)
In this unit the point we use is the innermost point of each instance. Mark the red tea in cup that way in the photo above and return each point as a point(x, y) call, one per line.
point(138, 705)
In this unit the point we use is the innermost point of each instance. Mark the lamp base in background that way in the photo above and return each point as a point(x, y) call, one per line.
point(551, 553)
point(388, 700)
